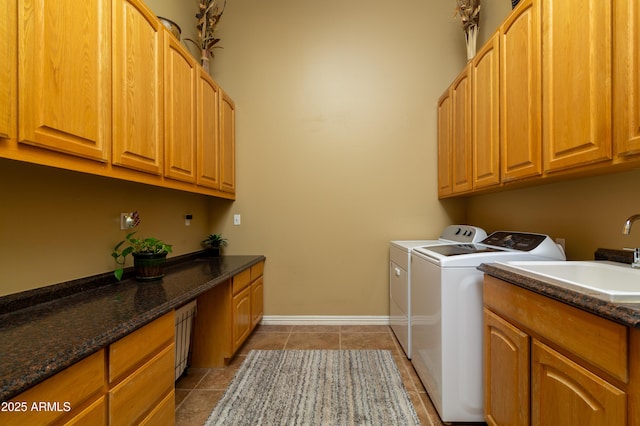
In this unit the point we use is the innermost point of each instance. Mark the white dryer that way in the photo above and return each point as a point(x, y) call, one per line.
point(400, 276)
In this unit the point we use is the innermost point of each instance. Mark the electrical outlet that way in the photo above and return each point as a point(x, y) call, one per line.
point(236, 219)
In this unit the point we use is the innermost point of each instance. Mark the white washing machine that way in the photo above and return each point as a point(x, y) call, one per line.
point(400, 276)
point(446, 315)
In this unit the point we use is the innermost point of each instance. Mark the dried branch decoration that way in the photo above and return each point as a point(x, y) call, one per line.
point(469, 11)
point(207, 21)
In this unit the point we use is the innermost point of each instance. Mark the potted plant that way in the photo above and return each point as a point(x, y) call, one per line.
point(213, 243)
point(149, 256)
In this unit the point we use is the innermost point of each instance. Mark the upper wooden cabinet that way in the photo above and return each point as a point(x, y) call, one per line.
point(137, 87)
point(576, 76)
point(445, 186)
point(180, 91)
point(101, 87)
point(461, 132)
point(626, 111)
point(485, 113)
point(65, 76)
point(569, 96)
point(520, 97)
point(227, 143)
point(8, 69)
point(208, 136)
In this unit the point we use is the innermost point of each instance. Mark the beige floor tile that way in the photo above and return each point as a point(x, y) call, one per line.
point(196, 407)
point(191, 378)
point(181, 394)
point(313, 341)
point(265, 341)
point(364, 329)
point(316, 329)
point(367, 341)
point(431, 410)
point(262, 328)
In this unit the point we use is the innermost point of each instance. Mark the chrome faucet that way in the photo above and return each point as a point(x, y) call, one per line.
point(626, 230)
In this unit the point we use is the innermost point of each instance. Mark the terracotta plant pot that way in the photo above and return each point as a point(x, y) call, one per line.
point(149, 266)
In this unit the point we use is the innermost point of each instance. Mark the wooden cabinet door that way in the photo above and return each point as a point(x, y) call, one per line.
point(137, 87)
point(520, 99)
point(461, 132)
point(180, 83)
point(208, 153)
point(567, 394)
point(65, 76)
point(8, 68)
point(576, 76)
point(227, 143)
point(241, 317)
point(485, 112)
point(626, 129)
point(445, 186)
point(506, 372)
point(256, 301)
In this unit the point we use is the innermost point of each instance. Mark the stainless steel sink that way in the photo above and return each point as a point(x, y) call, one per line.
point(616, 282)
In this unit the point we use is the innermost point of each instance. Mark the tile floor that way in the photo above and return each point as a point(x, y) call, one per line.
point(199, 390)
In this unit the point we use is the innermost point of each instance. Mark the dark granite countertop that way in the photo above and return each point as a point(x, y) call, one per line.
point(45, 330)
point(624, 313)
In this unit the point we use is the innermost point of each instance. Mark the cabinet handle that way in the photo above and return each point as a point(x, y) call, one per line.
point(397, 272)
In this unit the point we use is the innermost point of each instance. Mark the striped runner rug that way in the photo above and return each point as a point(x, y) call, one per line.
point(319, 387)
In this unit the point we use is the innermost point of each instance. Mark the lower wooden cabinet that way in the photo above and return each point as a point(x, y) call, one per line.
point(129, 382)
point(74, 394)
point(227, 314)
point(550, 363)
point(506, 363)
point(141, 372)
point(565, 390)
point(146, 387)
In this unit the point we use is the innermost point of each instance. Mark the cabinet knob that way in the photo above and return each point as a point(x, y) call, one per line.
point(397, 272)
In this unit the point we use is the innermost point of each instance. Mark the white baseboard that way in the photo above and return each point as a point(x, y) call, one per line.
point(324, 320)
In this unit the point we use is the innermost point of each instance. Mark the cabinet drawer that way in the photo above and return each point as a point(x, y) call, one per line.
point(163, 414)
point(71, 386)
point(257, 270)
point(141, 392)
point(134, 349)
point(241, 280)
point(595, 340)
point(94, 415)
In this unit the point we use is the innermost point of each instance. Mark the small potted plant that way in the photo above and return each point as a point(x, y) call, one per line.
point(149, 256)
point(213, 243)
